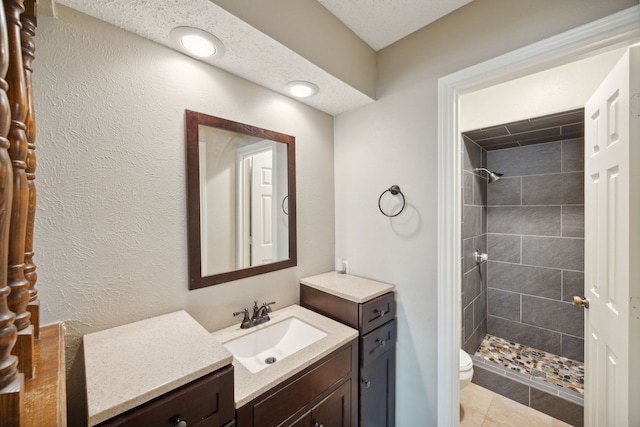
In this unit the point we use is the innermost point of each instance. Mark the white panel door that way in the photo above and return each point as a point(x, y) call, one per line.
point(262, 208)
point(608, 227)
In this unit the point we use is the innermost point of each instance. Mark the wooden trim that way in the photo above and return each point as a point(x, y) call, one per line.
point(28, 20)
point(19, 296)
point(12, 403)
point(45, 395)
point(8, 331)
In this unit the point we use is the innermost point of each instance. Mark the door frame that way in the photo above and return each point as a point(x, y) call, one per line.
point(614, 31)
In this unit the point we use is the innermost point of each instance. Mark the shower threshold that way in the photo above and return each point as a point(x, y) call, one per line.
point(564, 373)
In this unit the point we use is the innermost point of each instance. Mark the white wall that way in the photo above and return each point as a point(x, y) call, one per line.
point(394, 141)
point(111, 231)
point(551, 91)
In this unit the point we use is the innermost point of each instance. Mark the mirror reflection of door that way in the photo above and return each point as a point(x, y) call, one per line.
point(256, 237)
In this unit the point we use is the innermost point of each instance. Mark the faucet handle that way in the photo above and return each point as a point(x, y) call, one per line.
point(246, 321)
point(267, 306)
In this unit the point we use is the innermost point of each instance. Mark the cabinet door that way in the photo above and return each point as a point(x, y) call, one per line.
point(377, 391)
point(335, 409)
point(303, 421)
point(205, 402)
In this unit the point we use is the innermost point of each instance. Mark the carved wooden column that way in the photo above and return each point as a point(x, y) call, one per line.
point(28, 19)
point(11, 382)
point(19, 296)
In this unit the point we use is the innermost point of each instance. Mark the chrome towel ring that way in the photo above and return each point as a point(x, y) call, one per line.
point(394, 190)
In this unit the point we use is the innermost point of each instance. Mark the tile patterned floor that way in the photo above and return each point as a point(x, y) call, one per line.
point(480, 407)
point(560, 371)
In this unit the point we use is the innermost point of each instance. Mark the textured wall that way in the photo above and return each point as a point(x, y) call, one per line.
point(111, 234)
point(394, 141)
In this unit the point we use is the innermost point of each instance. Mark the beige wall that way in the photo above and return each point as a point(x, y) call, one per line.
point(394, 141)
point(111, 233)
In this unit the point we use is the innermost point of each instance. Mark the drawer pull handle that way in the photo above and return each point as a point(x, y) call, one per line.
point(381, 343)
point(380, 313)
point(366, 383)
point(180, 423)
point(318, 425)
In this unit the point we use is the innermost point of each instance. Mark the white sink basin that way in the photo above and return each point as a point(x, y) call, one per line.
point(266, 345)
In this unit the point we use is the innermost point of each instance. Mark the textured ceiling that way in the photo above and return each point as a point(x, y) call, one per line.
point(380, 23)
point(259, 58)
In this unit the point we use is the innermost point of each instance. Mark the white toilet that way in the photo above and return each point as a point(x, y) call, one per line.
point(466, 369)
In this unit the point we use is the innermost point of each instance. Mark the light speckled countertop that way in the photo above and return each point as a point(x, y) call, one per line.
point(134, 363)
point(352, 288)
point(249, 386)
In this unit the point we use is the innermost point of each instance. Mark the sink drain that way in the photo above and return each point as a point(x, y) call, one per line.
point(270, 360)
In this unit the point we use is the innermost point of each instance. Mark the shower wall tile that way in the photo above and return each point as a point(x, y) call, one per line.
point(497, 383)
point(468, 321)
point(506, 191)
point(503, 247)
point(475, 339)
point(472, 154)
point(474, 228)
point(504, 304)
point(467, 187)
point(480, 308)
point(553, 252)
point(534, 220)
point(529, 160)
point(470, 286)
point(573, 155)
point(472, 221)
point(530, 220)
point(482, 268)
point(479, 190)
point(557, 407)
point(468, 247)
point(481, 243)
point(553, 315)
point(573, 221)
point(572, 347)
point(538, 281)
point(542, 339)
point(484, 220)
point(553, 189)
point(572, 284)
point(484, 158)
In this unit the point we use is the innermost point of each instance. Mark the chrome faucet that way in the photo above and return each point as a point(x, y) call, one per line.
point(260, 315)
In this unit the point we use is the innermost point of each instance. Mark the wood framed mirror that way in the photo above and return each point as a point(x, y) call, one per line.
point(241, 200)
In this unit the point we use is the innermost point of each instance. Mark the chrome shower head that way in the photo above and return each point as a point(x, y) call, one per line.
point(492, 176)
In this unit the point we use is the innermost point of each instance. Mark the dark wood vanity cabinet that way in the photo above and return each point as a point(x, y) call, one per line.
point(322, 395)
point(375, 320)
point(334, 410)
point(205, 402)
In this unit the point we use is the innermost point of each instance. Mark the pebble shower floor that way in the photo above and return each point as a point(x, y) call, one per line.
point(557, 370)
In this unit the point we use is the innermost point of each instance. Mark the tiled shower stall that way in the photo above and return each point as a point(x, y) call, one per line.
point(517, 314)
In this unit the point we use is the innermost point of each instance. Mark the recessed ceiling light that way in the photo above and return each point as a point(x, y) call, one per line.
point(197, 42)
point(302, 89)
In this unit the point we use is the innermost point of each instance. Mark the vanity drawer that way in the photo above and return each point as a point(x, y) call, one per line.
point(377, 342)
point(377, 312)
point(335, 307)
point(206, 402)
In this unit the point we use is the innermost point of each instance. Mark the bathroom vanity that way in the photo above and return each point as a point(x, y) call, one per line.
point(163, 371)
point(369, 306)
point(313, 386)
